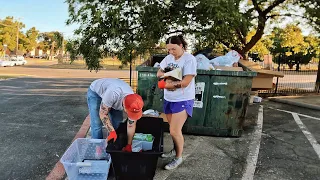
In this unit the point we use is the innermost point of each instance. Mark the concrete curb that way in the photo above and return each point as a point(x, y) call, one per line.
point(58, 171)
point(292, 102)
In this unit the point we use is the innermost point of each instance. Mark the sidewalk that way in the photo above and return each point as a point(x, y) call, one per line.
point(311, 102)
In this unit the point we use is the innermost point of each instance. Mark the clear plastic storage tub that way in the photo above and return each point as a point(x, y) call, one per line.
point(86, 159)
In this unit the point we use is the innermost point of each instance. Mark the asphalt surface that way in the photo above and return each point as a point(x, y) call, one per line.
point(285, 152)
point(40, 117)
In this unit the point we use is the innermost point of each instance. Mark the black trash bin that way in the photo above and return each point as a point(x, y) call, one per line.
point(137, 165)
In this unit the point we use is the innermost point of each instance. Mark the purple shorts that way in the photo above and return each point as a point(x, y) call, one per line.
point(175, 107)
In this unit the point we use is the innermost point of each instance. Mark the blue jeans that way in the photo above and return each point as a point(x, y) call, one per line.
point(94, 102)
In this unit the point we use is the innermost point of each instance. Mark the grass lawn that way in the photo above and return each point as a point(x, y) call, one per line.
point(108, 64)
point(3, 77)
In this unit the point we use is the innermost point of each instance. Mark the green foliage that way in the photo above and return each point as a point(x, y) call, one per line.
point(293, 47)
point(31, 39)
point(123, 28)
point(8, 33)
point(312, 11)
point(50, 40)
point(261, 48)
point(134, 27)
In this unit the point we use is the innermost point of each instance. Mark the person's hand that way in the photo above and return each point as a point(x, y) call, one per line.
point(112, 135)
point(161, 84)
point(127, 148)
point(160, 74)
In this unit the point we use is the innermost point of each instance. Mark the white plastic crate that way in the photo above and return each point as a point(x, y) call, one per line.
point(86, 159)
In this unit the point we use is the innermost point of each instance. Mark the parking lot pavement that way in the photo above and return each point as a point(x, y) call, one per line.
point(290, 143)
point(39, 118)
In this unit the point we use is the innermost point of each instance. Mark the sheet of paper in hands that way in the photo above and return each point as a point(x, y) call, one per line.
point(175, 74)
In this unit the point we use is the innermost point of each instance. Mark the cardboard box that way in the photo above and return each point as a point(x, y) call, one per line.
point(225, 68)
point(162, 115)
point(264, 79)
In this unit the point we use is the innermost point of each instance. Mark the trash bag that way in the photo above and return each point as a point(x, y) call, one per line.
point(203, 62)
point(227, 60)
point(151, 112)
point(156, 65)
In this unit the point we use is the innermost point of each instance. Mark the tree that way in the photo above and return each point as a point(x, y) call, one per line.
point(312, 12)
point(31, 39)
point(9, 31)
point(52, 41)
point(293, 46)
point(122, 27)
point(261, 48)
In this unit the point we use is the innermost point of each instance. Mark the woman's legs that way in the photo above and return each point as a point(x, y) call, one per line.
point(177, 122)
point(169, 117)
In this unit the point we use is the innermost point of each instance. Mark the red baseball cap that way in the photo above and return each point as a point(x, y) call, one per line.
point(133, 105)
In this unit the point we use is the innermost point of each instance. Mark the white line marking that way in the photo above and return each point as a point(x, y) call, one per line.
point(254, 148)
point(311, 117)
point(309, 136)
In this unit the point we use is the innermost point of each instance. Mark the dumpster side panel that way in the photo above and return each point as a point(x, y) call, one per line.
point(228, 101)
point(148, 90)
point(200, 103)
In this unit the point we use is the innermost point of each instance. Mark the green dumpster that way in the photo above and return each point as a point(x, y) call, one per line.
point(221, 101)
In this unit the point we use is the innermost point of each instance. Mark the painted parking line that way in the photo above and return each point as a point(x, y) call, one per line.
point(254, 148)
point(306, 132)
point(307, 116)
point(304, 129)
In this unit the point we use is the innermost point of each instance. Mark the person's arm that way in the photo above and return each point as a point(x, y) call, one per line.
point(179, 84)
point(131, 129)
point(104, 115)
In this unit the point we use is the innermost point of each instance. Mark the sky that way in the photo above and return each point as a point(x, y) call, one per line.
point(45, 15)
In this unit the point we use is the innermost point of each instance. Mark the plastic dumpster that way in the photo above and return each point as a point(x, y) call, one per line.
point(221, 101)
point(137, 165)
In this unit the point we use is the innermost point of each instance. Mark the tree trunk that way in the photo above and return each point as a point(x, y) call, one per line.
point(262, 19)
point(317, 88)
point(298, 66)
point(290, 66)
point(51, 51)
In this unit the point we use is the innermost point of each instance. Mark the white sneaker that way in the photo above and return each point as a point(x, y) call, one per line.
point(169, 154)
point(173, 164)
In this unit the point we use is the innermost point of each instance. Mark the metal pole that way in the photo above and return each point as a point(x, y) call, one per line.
point(17, 48)
point(4, 50)
point(276, 90)
point(131, 60)
point(130, 66)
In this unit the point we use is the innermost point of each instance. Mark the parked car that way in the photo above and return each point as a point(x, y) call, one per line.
point(18, 61)
point(5, 61)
